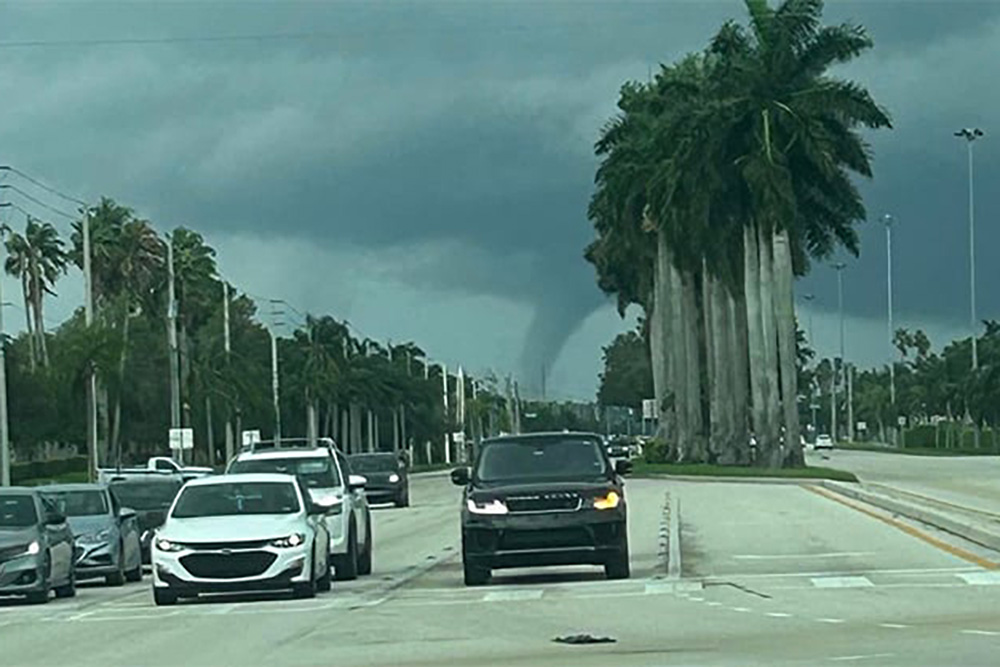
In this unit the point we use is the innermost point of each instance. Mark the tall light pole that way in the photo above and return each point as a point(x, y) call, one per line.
point(4, 424)
point(970, 135)
point(809, 298)
point(88, 310)
point(888, 280)
point(839, 266)
point(173, 352)
point(275, 383)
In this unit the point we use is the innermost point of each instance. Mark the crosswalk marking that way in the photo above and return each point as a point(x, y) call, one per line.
point(985, 578)
point(511, 596)
point(841, 582)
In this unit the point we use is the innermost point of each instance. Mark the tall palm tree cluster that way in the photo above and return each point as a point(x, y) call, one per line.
point(720, 180)
point(365, 394)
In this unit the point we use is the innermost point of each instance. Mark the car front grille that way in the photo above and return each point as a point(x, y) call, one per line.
point(228, 566)
point(560, 538)
point(219, 546)
point(545, 502)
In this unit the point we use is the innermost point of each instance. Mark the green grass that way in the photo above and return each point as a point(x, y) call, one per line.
point(642, 468)
point(915, 451)
point(423, 467)
point(74, 477)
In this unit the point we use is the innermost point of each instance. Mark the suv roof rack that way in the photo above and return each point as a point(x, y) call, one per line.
point(289, 443)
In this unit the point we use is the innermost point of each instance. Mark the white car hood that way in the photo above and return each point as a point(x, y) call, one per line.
point(241, 528)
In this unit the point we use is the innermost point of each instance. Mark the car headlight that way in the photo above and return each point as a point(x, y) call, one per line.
point(293, 540)
point(95, 538)
point(393, 478)
point(33, 549)
point(608, 502)
point(489, 507)
point(168, 546)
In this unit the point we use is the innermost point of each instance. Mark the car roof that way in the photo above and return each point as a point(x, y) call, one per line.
point(284, 453)
point(49, 488)
point(249, 477)
point(18, 491)
point(547, 435)
point(372, 455)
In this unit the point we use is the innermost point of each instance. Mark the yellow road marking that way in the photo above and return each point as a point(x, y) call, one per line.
point(909, 530)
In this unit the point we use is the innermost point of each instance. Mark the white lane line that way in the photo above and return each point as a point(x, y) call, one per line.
point(778, 614)
point(829, 620)
point(714, 604)
point(743, 610)
point(660, 589)
point(981, 633)
point(840, 573)
point(694, 599)
point(855, 658)
point(511, 596)
point(987, 578)
point(893, 626)
point(841, 582)
point(674, 543)
point(81, 615)
point(832, 554)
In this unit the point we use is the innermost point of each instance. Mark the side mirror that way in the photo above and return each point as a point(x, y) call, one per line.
point(126, 513)
point(356, 482)
point(623, 467)
point(55, 519)
point(314, 509)
point(461, 476)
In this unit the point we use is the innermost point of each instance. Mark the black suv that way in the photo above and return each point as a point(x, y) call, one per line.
point(543, 499)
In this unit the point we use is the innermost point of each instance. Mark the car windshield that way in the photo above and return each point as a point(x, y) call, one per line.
point(17, 512)
point(90, 502)
point(145, 495)
point(363, 463)
point(236, 498)
point(522, 460)
point(316, 472)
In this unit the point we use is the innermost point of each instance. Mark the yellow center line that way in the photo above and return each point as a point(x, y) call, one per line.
point(909, 530)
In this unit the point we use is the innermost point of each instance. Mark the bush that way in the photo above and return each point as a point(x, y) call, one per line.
point(656, 451)
point(929, 436)
point(21, 472)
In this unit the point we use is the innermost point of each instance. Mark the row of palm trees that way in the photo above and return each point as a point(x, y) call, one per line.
point(720, 180)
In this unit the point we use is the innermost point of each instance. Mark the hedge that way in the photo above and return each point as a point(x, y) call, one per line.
point(21, 472)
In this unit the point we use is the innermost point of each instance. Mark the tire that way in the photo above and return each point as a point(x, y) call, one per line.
point(42, 596)
point(325, 583)
point(164, 598)
point(404, 499)
point(473, 574)
point(136, 574)
point(306, 590)
point(117, 578)
point(69, 590)
point(365, 562)
point(618, 566)
point(346, 566)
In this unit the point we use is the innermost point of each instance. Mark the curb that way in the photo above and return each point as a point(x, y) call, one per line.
point(728, 480)
point(946, 523)
point(431, 473)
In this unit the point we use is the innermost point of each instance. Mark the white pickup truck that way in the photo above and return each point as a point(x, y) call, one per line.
point(156, 465)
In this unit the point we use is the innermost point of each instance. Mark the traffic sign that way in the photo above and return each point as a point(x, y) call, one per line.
point(251, 437)
point(181, 438)
point(649, 408)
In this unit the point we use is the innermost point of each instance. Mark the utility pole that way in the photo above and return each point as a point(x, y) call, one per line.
point(809, 298)
point(850, 402)
point(970, 135)
point(543, 383)
point(447, 415)
point(839, 266)
point(4, 424)
point(892, 331)
point(175, 389)
point(275, 384)
point(88, 310)
point(227, 346)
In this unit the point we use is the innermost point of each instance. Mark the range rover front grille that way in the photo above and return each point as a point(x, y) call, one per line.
point(560, 501)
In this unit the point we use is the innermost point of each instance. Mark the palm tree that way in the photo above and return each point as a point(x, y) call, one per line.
point(18, 264)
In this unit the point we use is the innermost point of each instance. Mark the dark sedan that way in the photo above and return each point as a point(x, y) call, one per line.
point(386, 475)
point(151, 498)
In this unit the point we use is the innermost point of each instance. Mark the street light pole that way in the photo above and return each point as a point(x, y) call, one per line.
point(888, 262)
point(970, 135)
point(809, 298)
point(4, 424)
point(839, 266)
point(175, 389)
point(88, 310)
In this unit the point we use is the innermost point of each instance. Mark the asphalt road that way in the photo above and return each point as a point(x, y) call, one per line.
point(771, 575)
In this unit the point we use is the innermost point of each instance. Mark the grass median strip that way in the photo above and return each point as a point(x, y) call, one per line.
point(643, 469)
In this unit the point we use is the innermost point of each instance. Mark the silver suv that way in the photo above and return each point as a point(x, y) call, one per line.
point(324, 470)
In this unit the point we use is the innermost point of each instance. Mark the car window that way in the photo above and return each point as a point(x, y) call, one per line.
point(145, 495)
point(365, 463)
point(515, 460)
point(317, 472)
point(236, 498)
point(17, 512)
point(89, 502)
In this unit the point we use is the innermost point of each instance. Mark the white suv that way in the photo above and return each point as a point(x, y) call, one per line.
point(324, 470)
point(241, 533)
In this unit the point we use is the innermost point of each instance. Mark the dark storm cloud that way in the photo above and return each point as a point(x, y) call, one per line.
point(406, 124)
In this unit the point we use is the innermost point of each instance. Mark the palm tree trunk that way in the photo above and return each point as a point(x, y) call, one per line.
point(395, 429)
point(722, 386)
point(739, 376)
point(693, 403)
point(209, 430)
point(312, 422)
point(122, 358)
point(755, 333)
point(39, 294)
point(784, 307)
point(710, 347)
point(678, 365)
point(104, 421)
point(29, 310)
point(772, 400)
point(658, 313)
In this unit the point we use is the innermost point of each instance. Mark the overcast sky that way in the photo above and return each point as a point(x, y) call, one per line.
point(423, 169)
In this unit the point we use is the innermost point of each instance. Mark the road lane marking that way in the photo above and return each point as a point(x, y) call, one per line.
point(893, 626)
point(778, 614)
point(983, 633)
point(830, 620)
point(841, 582)
point(512, 596)
point(714, 604)
point(842, 573)
point(834, 554)
point(674, 540)
point(855, 658)
point(906, 528)
point(743, 610)
point(989, 578)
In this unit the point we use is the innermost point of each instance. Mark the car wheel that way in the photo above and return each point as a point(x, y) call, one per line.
point(346, 566)
point(117, 578)
point(42, 596)
point(404, 499)
point(325, 583)
point(365, 563)
point(617, 565)
point(163, 597)
point(136, 574)
point(306, 590)
point(474, 574)
point(69, 590)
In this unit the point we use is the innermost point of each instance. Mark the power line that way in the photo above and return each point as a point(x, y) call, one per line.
point(40, 184)
point(39, 202)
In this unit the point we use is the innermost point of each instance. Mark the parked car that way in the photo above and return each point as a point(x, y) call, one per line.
point(823, 441)
point(543, 499)
point(150, 497)
point(107, 534)
point(326, 473)
point(244, 532)
point(387, 477)
point(156, 465)
point(36, 547)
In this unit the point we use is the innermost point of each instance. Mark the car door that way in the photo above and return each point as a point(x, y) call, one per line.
point(359, 502)
point(129, 528)
point(320, 531)
point(60, 539)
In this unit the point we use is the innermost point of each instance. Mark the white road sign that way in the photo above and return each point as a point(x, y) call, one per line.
point(649, 408)
point(251, 437)
point(181, 438)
